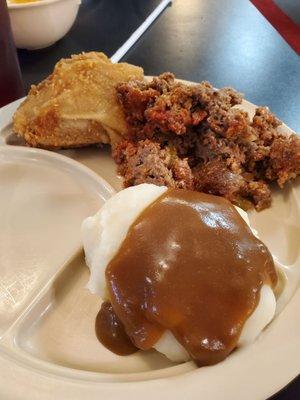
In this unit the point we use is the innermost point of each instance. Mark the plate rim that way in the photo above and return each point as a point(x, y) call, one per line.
point(158, 384)
point(60, 157)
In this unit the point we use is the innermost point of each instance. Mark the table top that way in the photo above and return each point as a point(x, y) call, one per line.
point(228, 43)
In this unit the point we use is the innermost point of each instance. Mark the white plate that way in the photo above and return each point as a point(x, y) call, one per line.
point(48, 348)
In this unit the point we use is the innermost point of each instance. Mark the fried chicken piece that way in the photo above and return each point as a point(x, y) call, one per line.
point(76, 105)
point(224, 152)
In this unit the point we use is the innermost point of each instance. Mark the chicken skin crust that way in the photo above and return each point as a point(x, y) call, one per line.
point(76, 105)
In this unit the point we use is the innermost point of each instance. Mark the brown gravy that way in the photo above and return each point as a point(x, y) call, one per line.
point(111, 333)
point(190, 264)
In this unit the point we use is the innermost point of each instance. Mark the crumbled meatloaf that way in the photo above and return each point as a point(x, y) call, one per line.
point(192, 137)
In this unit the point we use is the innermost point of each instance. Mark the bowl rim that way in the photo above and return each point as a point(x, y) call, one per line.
point(36, 3)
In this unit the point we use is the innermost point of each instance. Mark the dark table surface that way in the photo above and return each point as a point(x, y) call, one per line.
point(227, 42)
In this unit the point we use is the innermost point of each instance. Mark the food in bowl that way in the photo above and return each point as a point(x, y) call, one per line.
point(22, 1)
point(179, 271)
point(76, 105)
point(40, 23)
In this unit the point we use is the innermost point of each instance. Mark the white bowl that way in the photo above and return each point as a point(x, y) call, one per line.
point(39, 24)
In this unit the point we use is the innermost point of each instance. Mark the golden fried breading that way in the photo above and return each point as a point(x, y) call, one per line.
point(76, 105)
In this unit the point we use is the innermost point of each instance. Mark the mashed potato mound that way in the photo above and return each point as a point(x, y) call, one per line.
point(103, 234)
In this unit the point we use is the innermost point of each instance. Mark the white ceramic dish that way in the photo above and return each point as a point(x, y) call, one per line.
point(49, 351)
point(41, 23)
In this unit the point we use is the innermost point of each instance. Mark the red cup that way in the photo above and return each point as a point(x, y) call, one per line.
point(11, 85)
